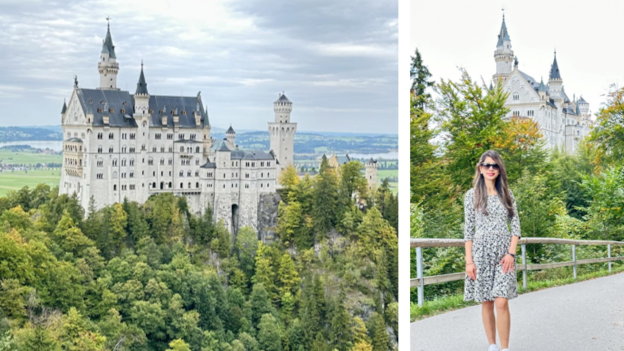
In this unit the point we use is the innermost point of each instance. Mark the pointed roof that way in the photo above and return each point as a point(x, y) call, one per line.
point(283, 98)
point(141, 85)
point(503, 35)
point(554, 69)
point(230, 130)
point(108, 47)
point(582, 101)
point(224, 146)
point(542, 86)
point(65, 107)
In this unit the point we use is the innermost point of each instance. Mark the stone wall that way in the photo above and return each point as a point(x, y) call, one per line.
point(267, 216)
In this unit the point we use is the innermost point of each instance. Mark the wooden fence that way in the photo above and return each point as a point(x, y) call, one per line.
point(420, 281)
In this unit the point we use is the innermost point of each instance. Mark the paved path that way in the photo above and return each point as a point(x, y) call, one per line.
point(584, 316)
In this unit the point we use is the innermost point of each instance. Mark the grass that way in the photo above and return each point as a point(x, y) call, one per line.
point(19, 179)
point(453, 302)
point(28, 158)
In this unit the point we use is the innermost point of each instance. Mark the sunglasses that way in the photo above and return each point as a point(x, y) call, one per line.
point(489, 165)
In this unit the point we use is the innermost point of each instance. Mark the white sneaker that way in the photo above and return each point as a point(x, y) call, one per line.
point(494, 347)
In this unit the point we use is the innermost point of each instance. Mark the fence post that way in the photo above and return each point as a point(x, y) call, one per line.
point(609, 255)
point(419, 275)
point(574, 261)
point(524, 264)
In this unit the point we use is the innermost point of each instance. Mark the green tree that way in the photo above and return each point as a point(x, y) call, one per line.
point(325, 198)
point(609, 130)
point(378, 333)
point(420, 75)
point(269, 333)
point(178, 345)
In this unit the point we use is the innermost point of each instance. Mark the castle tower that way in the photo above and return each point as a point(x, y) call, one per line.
point(141, 96)
point(583, 106)
point(230, 137)
point(108, 66)
point(371, 174)
point(503, 55)
point(282, 132)
point(555, 83)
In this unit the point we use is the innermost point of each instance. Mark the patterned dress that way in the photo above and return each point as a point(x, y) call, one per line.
point(491, 237)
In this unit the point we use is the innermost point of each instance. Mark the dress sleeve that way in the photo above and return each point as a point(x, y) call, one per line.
point(515, 221)
point(469, 216)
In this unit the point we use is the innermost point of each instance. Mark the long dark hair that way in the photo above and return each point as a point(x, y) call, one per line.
point(502, 188)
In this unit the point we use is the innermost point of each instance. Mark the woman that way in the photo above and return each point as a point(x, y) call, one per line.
point(491, 233)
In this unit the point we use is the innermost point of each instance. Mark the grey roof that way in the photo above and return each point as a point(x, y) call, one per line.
point(185, 106)
point(283, 98)
point(252, 155)
point(74, 140)
point(223, 146)
point(542, 86)
point(230, 130)
point(554, 70)
point(64, 107)
point(582, 101)
point(209, 165)
point(564, 95)
point(118, 105)
point(531, 80)
point(503, 35)
point(141, 84)
point(108, 47)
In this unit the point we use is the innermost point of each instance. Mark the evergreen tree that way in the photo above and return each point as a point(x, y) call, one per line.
point(269, 333)
point(420, 75)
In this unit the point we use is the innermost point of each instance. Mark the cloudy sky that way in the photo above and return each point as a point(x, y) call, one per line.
point(336, 60)
point(586, 35)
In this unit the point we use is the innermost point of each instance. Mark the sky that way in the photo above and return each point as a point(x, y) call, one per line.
point(335, 60)
point(586, 36)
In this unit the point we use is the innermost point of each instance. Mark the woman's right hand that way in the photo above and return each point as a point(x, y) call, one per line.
point(471, 271)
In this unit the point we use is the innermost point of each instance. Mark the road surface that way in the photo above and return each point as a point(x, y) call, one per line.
point(584, 316)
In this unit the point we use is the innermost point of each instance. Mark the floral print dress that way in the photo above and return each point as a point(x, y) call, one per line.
point(491, 236)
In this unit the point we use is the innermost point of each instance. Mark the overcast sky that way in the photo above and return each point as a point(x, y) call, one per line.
point(586, 35)
point(335, 60)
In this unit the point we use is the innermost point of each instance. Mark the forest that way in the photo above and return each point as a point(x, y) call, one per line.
point(576, 196)
point(154, 276)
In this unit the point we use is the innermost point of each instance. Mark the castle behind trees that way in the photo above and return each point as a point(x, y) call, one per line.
point(562, 121)
point(119, 145)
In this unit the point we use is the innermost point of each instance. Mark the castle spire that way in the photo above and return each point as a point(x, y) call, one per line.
point(503, 36)
point(107, 65)
point(141, 85)
point(554, 69)
point(107, 46)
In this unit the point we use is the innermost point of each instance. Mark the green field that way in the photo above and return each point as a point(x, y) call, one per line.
point(28, 158)
point(393, 174)
point(19, 179)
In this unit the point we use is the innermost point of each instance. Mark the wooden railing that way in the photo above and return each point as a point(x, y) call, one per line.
point(420, 281)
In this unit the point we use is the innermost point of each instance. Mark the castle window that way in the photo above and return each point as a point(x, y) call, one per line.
point(268, 164)
point(189, 185)
point(150, 162)
point(188, 174)
point(111, 136)
point(110, 150)
point(114, 187)
point(261, 164)
point(192, 136)
point(131, 186)
point(162, 161)
point(132, 136)
point(99, 150)
point(181, 173)
point(197, 173)
point(131, 174)
point(530, 113)
point(181, 148)
point(261, 185)
point(516, 113)
point(99, 136)
point(100, 163)
point(197, 185)
point(246, 186)
point(170, 185)
point(99, 176)
point(181, 185)
point(197, 149)
point(516, 96)
point(115, 162)
point(157, 136)
point(170, 162)
point(153, 148)
point(253, 164)
point(181, 136)
point(169, 136)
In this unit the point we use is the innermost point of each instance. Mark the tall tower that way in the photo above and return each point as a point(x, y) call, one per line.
point(108, 66)
point(503, 55)
point(555, 83)
point(371, 173)
point(141, 96)
point(282, 132)
point(230, 136)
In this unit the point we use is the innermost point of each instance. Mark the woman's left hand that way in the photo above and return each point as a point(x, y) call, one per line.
point(508, 262)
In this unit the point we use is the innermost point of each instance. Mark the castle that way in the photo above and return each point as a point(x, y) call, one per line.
point(121, 146)
point(562, 122)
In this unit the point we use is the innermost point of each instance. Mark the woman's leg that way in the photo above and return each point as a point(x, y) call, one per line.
point(503, 320)
point(489, 321)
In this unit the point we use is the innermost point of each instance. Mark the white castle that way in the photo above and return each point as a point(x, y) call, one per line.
point(121, 146)
point(562, 122)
